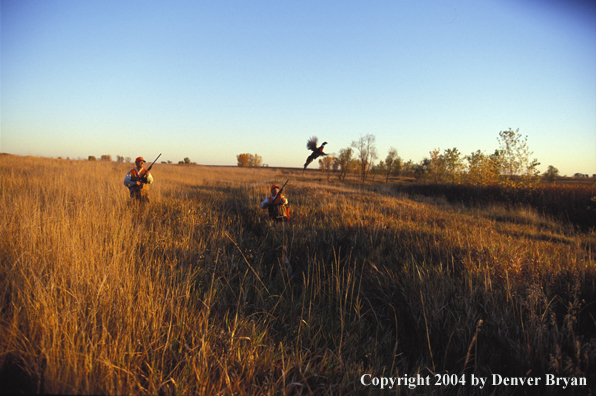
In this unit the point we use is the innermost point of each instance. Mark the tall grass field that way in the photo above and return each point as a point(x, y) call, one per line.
point(364, 291)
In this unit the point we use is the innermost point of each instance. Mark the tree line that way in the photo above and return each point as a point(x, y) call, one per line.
point(512, 161)
point(108, 158)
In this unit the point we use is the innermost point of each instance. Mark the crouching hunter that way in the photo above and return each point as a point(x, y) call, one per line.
point(138, 180)
point(276, 205)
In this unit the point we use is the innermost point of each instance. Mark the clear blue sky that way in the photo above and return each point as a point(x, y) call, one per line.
point(212, 79)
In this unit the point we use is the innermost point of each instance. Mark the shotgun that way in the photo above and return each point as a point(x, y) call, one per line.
point(280, 190)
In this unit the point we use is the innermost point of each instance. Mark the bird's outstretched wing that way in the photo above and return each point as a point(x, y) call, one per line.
point(312, 143)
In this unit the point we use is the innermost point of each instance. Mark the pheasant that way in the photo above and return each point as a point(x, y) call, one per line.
point(316, 151)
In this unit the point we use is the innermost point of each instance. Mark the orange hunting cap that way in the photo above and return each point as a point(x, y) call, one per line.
point(274, 186)
point(139, 159)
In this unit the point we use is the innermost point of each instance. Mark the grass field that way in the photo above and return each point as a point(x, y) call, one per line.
point(197, 293)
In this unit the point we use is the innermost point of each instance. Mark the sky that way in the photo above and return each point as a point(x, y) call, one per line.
point(209, 80)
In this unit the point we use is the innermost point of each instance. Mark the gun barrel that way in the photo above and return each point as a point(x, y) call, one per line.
point(151, 166)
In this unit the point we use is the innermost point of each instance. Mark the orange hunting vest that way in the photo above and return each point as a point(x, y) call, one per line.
point(144, 187)
point(134, 172)
point(276, 210)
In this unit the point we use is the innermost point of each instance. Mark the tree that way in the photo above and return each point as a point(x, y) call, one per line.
point(243, 159)
point(551, 174)
point(255, 161)
point(92, 158)
point(435, 166)
point(119, 158)
point(516, 155)
point(343, 162)
point(249, 160)
point(422, 171)
point(454, 166)
point(366, 153)
point(392, 164)
point(408, 168)
point(106, 157)
point(483, 169)
point(378, 169)
point(381, 169)
point(326, 165)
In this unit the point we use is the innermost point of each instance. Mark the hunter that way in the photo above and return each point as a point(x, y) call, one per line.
point(276, 205)
point(138, 180)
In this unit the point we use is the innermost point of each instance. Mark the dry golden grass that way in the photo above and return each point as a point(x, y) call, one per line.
point(198, 293)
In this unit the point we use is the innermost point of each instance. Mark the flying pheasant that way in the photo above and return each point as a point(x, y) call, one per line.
point(316, 151)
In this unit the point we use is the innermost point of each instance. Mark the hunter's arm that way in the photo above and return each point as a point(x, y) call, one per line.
point(128, 180)
point(265, 203)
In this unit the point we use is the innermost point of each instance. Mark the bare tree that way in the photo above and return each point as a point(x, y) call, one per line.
point(366, 153)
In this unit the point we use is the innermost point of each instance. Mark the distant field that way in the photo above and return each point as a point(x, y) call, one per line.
point(199, 294)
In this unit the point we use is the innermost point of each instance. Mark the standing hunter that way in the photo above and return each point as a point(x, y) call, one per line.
point(276, 205)
point(138, 180)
